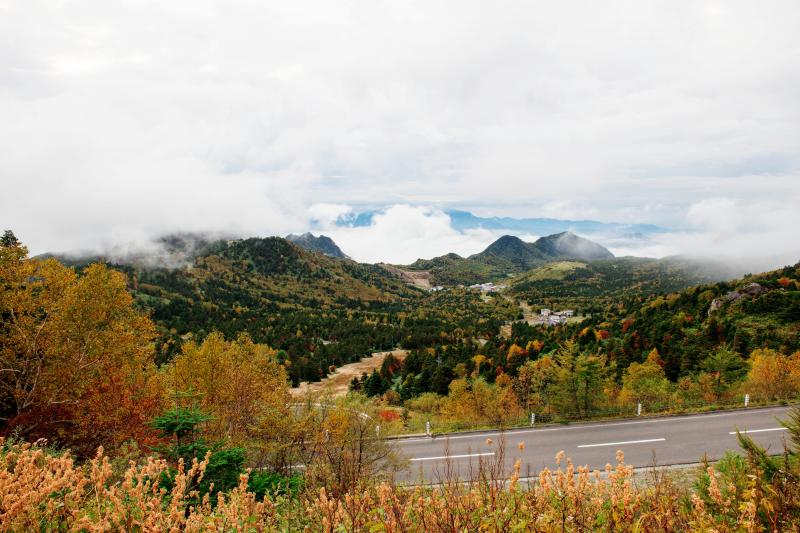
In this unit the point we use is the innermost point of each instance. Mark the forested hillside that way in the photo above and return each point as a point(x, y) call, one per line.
point(319, 312)
point(593, 286)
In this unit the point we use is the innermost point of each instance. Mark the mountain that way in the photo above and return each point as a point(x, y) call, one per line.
point(513, 250)
point(321, 244)
point(508, 256)
point(463, 220)
point(567, 245)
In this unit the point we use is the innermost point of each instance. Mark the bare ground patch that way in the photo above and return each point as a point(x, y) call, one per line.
point(338, 383)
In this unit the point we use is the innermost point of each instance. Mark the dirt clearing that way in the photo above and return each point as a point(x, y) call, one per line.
point(338, 383)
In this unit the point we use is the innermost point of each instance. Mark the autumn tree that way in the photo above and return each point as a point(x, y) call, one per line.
point(580, 381)
point(476, 400)
point(534, 381)
point(723, 368)
point(75, 355)
point(343, 454)
point(244, 389)
point(773, 375)
point(645, 382)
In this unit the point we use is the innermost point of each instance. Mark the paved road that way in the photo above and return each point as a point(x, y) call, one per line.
point(663, 441)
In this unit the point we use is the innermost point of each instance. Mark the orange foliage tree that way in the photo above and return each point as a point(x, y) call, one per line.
point(75, 355)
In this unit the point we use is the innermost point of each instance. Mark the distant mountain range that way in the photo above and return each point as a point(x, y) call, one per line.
point(321, 244)
point(464, 220)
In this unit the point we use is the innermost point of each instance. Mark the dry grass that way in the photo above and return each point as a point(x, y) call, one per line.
point(42, 492)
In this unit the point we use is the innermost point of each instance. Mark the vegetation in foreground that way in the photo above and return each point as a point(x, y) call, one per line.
point(45, 491)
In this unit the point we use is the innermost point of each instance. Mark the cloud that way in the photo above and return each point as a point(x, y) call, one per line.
point(751, 237)
point(126, 120)
point(402, 234)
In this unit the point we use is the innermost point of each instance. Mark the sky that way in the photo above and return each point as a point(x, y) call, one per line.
point(124, 120)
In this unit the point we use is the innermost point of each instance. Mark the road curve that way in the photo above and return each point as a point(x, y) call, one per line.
point(661, 441)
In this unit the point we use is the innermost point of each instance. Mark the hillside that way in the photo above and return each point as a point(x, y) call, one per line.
point(319, 310)
point(686, 326)
point(592, 285)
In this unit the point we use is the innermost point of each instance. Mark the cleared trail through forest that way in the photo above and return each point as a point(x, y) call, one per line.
point(338, 383)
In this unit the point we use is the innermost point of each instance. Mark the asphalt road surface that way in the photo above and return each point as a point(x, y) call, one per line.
point(661, 441)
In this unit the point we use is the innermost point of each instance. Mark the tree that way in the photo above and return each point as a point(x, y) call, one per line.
point(580, 380)
point(725, 367)
point(477, 400)
point(9, 240)
point(343, 454)
point(645, 382)
point(533, 382)
point(179, 426)
point(75, 355)
point(773, 375)
point(244, 389)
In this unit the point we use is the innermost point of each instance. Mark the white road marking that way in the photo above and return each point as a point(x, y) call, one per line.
point(511, 432)
point(451, 456)
point(756, 430)
point(619, 443)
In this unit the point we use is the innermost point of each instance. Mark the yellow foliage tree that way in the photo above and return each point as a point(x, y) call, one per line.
point(476, 400)
point(239, 383)
point(773, 375)
point(645, 383)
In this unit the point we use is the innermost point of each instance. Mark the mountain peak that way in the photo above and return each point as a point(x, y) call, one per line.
point(568, 245)
point(321, 244)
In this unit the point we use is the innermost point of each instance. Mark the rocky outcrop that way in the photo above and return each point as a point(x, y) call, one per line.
point(751, 290)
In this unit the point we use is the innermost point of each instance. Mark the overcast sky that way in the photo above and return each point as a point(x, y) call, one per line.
point(120, 120)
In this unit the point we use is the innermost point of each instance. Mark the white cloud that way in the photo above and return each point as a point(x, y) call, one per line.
point(402, 234)
point(121, 120)
point(749, 236)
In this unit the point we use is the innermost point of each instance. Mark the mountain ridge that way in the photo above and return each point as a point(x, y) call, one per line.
point(322, 244)
point(509, 255)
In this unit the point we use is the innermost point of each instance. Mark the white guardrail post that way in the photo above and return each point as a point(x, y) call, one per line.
point(533, 419)
point(746, 399)
point(639, 409)
point(428, 428)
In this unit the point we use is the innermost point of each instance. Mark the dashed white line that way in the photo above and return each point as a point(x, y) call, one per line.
point(620, 443)
point(511, 432)
point(451, 456)
point(756, 430)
